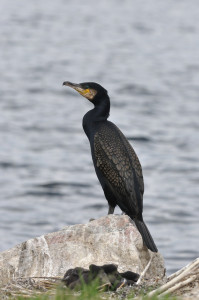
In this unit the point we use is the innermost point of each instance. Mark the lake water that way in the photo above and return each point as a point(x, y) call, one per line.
point(146, 54)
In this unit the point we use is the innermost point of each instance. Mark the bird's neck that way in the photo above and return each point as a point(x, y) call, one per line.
point(99, 113)
point(101, 109)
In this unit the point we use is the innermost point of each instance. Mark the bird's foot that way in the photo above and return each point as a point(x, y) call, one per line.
point(91, 219)
point(111, 210)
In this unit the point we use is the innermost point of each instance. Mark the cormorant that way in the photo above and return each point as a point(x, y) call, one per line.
point(116, 163)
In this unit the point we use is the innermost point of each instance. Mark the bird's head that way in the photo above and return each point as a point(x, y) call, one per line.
point(90, 90)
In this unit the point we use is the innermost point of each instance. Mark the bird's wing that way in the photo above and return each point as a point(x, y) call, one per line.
point(119, 165)
point(134, 160)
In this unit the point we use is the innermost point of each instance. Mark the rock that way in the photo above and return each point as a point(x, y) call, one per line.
point(112, 239)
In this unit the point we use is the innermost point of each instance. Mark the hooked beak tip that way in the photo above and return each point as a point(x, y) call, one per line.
point(70, 84)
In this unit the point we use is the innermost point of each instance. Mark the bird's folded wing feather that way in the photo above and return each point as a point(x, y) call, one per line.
point(119, 164)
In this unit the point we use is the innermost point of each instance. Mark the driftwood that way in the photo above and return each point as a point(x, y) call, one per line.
point(178, 280)
point(143, 273)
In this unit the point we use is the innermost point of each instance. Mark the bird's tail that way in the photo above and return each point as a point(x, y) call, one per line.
point(147, 238)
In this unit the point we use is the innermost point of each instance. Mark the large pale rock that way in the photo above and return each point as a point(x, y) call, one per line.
point(110, 239)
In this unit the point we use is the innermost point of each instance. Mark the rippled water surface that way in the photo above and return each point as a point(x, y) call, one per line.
point(146, 53)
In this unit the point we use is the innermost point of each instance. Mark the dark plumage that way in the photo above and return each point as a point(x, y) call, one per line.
point(106, 277)
point(116, 163)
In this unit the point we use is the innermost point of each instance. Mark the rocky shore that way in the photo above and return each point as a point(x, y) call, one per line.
point(112, 239)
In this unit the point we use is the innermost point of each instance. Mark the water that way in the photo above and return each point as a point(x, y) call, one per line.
point(146, 53)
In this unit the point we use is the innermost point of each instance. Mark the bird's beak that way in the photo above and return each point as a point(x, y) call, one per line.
point(74, 86)
point(87, 93)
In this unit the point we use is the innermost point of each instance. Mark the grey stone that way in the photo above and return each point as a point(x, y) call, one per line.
point(110, 239)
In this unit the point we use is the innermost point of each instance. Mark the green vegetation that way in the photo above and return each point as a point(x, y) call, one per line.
point(90, 292)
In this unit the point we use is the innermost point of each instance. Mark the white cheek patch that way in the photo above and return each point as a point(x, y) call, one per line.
point(91, 94)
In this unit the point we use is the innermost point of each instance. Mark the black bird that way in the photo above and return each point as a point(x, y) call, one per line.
point(116, 163)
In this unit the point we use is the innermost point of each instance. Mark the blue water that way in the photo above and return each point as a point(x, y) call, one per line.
point(146, 54)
